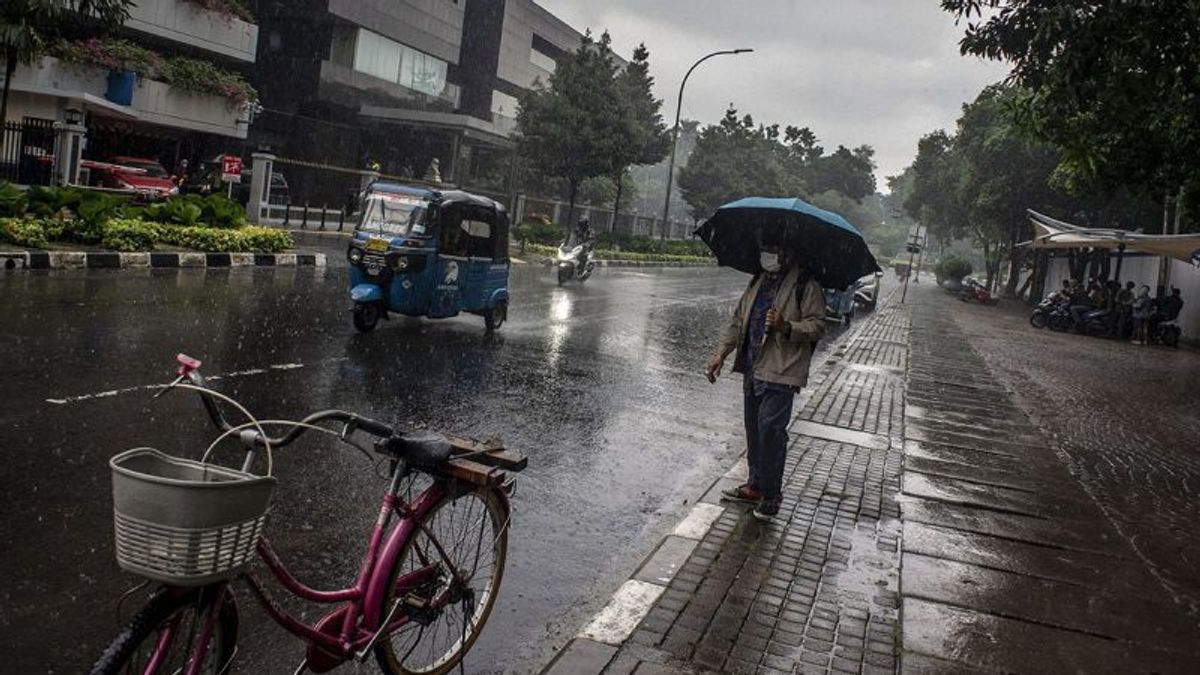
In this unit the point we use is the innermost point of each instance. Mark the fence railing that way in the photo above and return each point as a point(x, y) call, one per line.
point(306, 217)
point(27, 152)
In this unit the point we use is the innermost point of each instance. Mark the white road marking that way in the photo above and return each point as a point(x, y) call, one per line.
point(145, 387)
point(629, 605)
point(696, 525)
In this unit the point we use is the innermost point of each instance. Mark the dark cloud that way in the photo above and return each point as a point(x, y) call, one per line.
point(881, 72)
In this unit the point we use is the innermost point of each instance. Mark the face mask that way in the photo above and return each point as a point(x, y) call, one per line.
point(769, 261)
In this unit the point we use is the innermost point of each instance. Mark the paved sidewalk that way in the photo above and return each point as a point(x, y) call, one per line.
point(928, 526)
point(816, 590)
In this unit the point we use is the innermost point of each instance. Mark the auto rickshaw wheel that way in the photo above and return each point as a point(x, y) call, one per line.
point(564, 274)
point(366, 316)
point(495, 317)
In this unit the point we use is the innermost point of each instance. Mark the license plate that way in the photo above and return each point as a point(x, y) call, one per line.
point(377, 244)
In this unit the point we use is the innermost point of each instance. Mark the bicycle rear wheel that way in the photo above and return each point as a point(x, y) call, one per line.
point(159, 639)
point(472, 529)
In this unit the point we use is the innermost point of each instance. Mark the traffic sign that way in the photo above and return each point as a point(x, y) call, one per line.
point(231, 168)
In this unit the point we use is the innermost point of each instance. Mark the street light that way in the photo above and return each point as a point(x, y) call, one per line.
point(675, 132)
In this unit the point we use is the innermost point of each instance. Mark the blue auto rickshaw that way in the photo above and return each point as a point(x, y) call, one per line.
point(420, 251)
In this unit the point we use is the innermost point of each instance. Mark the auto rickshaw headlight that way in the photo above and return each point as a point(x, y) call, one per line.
point(355, 254)
point(400, 263)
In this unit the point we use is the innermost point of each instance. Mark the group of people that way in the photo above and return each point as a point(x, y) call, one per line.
point(1130, 309)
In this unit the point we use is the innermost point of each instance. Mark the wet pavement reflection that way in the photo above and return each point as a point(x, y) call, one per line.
point(598, 384)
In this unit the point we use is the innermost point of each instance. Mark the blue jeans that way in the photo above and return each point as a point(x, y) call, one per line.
point(768, 409)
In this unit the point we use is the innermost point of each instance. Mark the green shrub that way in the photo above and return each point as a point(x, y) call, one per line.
point(952, 268)
point(50, 202)
point(130, 234)
point(13, 201)
point(176, 211)
point(242, 240)
point(23, 232)
point(220, 211)
point(194, 76)
point(77, 230)
point(539, 231)
point(651, 257)
point(643, 244)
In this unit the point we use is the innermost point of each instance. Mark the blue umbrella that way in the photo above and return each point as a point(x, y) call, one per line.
point(831, 249)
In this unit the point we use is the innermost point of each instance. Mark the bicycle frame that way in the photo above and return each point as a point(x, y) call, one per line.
point(362, 619)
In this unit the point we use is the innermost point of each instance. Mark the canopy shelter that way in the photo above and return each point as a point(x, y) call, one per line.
point(1051, 233)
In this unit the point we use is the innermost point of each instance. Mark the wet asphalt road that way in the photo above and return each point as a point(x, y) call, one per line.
point(598, 384)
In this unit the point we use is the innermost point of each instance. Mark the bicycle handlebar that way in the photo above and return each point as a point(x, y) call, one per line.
point(189, 370)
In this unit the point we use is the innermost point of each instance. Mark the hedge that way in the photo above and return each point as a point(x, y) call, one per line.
point(551, 251)
point(131, 234)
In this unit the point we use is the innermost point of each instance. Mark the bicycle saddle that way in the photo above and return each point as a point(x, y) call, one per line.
point(422, 448)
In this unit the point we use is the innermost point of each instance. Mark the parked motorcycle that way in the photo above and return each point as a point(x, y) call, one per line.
point(973, 291)
point(575, 261)
point(1040, 318)
point(1166, 333)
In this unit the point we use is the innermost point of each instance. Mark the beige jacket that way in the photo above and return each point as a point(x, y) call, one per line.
point(786, 355)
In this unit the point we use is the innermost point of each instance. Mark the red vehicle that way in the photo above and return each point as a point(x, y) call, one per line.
point(145, 176)
point(973, 291)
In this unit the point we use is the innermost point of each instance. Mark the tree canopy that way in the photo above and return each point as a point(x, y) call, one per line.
point(738, 158)
point(573, 128)
point(1112, 84)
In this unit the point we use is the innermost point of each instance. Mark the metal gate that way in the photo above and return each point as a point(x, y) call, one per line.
point(27, 152)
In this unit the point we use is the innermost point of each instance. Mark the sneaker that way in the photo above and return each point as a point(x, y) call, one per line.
point(766, 509)
point(742, 493)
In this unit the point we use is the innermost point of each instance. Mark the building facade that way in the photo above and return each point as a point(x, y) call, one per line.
point(398, 85)
point(97, 112)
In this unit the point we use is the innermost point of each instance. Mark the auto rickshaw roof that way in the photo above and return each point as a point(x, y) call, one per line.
point(431, 194)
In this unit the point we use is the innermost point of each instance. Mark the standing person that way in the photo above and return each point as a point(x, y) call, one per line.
point(1142, 307)
point(1125, 308)
point(773, 331)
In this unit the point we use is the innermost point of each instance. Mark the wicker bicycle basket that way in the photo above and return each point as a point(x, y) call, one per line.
point(184, 522)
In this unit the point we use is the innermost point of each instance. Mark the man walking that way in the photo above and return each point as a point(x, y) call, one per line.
point(773, 331)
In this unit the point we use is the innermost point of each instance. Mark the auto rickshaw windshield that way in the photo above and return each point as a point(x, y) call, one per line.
point(394, 215)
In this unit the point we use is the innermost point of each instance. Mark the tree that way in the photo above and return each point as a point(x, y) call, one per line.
point(735, 159)
point(571, 128)
point(26, 26)
point(645, 140)
point(850, 172)
point(1112, 84)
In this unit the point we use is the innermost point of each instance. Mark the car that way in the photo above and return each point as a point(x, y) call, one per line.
point(144, 176)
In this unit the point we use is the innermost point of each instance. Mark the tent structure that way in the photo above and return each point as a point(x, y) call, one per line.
point(1052, 234)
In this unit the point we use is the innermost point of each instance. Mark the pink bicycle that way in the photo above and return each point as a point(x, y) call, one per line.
point(427, 583)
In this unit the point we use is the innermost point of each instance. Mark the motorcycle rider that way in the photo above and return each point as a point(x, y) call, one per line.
point(582, 236)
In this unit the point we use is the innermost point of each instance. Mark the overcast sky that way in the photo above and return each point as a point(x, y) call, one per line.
point(881, 72)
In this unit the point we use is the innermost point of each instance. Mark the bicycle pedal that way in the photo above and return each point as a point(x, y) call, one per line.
point(416, 602)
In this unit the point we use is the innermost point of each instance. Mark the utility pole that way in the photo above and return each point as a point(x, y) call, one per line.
point(914, 247)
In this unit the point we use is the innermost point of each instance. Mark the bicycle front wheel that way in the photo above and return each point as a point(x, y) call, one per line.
point(472, 531)
point(160, 638)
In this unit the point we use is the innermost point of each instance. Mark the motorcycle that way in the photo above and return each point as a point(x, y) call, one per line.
point(575, 262)
point(866, 292)
point(1040, 318)
point(973, 291)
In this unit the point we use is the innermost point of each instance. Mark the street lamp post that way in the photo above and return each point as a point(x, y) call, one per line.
point(675, 131)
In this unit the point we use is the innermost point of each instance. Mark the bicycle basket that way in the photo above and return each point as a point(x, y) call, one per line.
point(183, 522)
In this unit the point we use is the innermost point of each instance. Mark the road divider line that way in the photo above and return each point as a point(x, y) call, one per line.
point(145, 387)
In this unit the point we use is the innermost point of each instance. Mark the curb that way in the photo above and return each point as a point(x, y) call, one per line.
point(591, 649)
point(77, 260)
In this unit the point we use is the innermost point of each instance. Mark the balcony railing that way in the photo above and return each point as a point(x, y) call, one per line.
point(153, 102)
point(188, 23)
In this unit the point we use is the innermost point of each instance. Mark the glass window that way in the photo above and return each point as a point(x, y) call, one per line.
point(376, 55)
point(542, 60)
point(421, 72)
point(397, 215)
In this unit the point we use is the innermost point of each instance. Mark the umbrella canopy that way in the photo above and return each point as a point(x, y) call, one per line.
point(832, 249)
